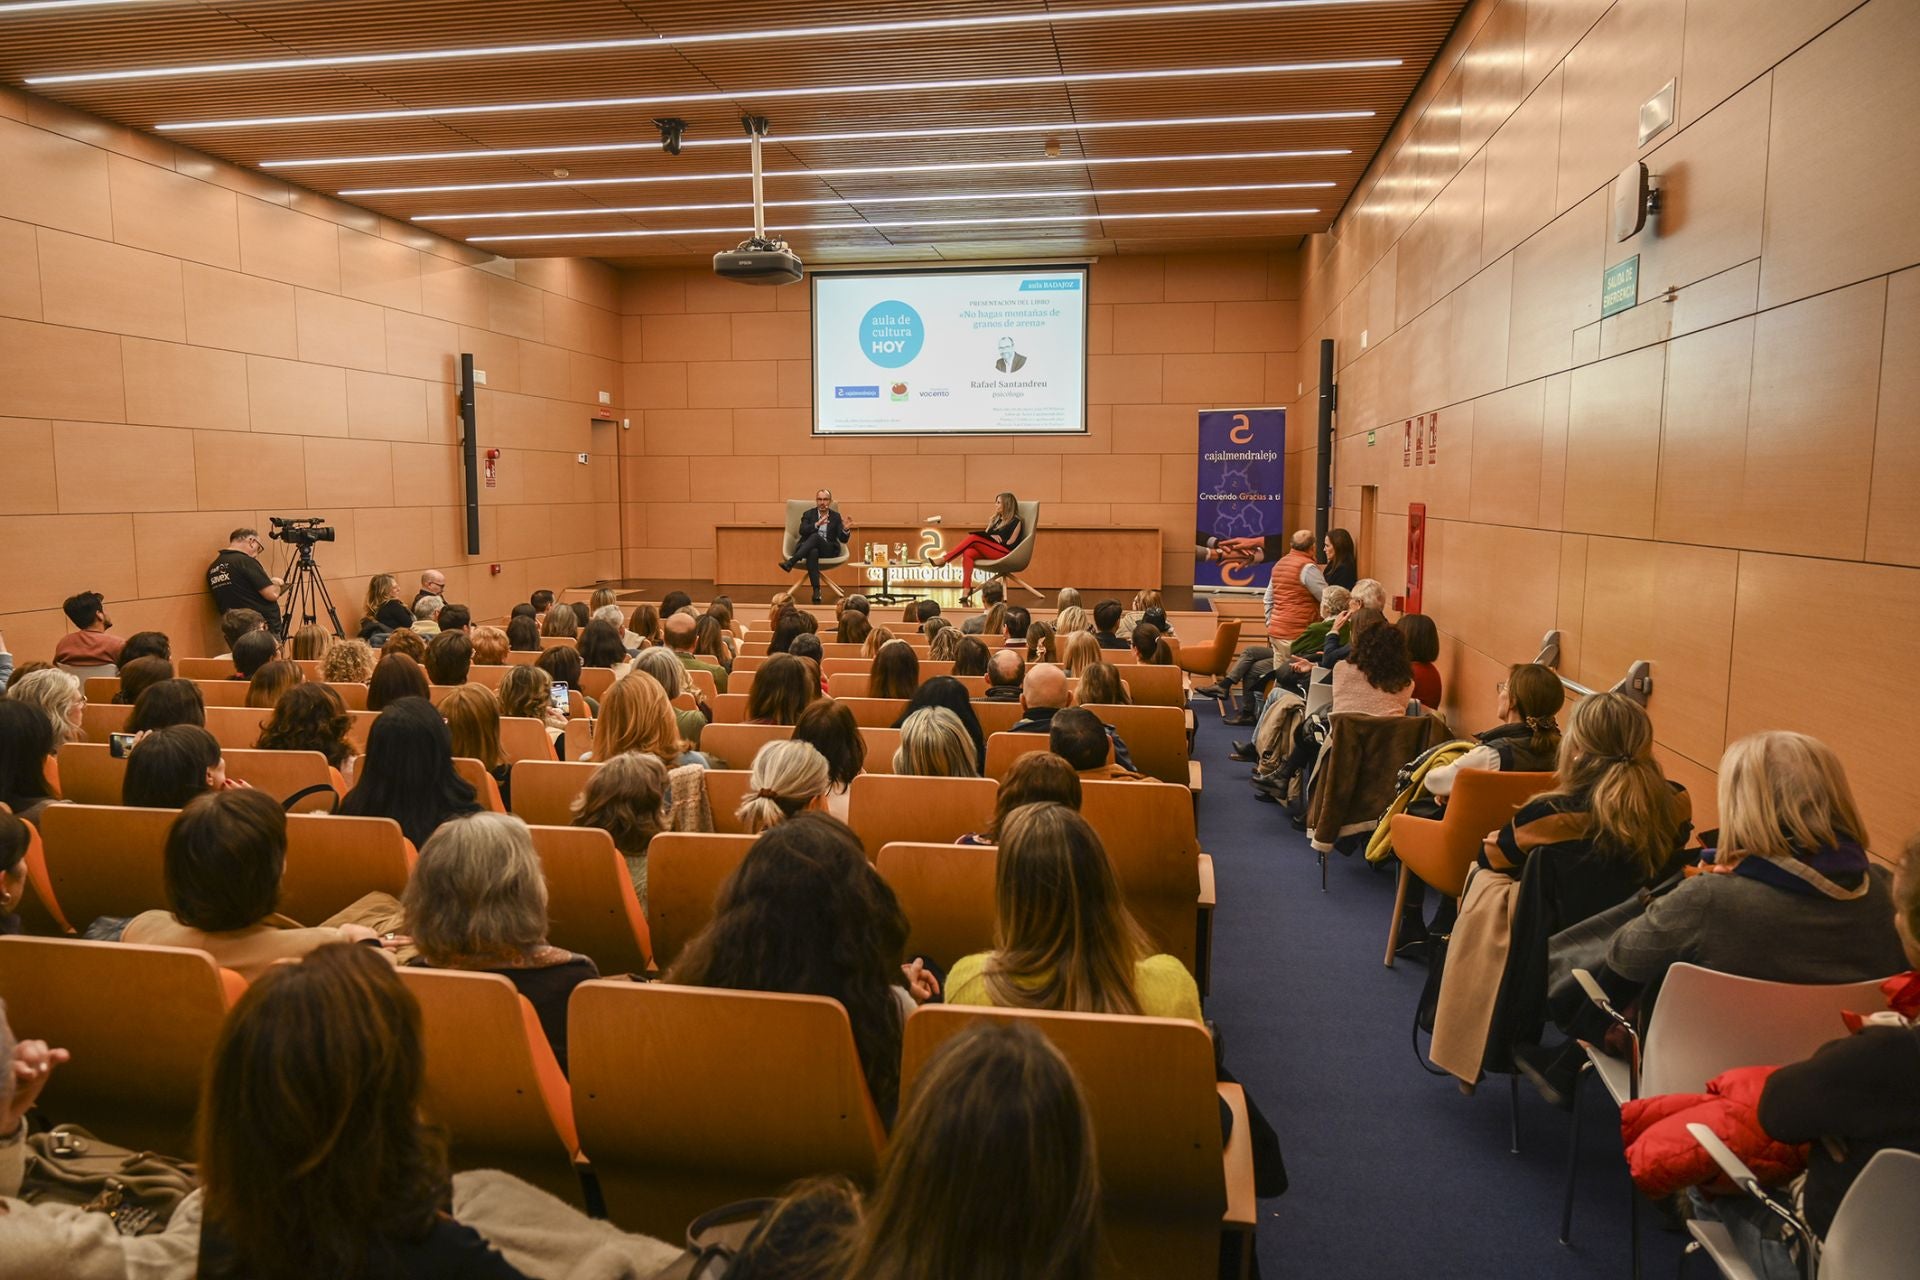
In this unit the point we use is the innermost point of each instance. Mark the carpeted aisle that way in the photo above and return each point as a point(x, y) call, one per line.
point(1394, 1172)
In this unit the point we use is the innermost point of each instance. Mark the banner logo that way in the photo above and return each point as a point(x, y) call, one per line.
point(1242, 489)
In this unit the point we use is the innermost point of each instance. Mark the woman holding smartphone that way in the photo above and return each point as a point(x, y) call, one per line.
point(1002, 534)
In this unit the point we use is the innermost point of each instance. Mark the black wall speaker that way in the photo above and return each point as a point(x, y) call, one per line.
point(470, 452)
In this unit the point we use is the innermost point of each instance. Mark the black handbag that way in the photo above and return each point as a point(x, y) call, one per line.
point(716, 1238)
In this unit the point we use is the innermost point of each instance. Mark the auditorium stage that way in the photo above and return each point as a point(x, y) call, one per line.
point(634, 590)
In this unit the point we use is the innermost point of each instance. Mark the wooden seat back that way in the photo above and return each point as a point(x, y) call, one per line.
point(544, 790)
point(726, 788)
point(591, 905)
point(733, 746)
point(332, 862)
point(1156, 737)
point(886, 808)
point(875, 713)
point(105, 860)
point(684, 873)
point(1004, 748)
point(1148, 832)
point(485, 789)
point(1151, 686)
point(688, 1098)
point(929, 667)
point(995, 716)
point(881, 744)
point(507, 1107)
point(524, 738)
point(728, 708)
point(1150, 1090)
point(223, 693)
point(947, 892)
point(140, 1022)
point(39, 911)
point(203, 668)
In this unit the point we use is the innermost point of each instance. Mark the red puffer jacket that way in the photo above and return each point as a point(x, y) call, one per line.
point(1663, 1157)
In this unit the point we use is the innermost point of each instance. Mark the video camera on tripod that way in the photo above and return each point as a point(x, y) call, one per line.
point(305, 591)
point(301, 531)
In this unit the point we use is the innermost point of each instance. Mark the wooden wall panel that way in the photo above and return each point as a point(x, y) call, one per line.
point(1728, 457)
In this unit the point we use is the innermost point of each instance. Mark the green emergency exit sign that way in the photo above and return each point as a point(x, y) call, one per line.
point(1620, 286)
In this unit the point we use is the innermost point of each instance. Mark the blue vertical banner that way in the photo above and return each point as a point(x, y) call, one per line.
point(1243, 458)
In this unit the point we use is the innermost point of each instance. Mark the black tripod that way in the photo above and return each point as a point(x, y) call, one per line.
point(304, 592)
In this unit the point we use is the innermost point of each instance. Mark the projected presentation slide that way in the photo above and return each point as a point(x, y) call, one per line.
point(991, 352)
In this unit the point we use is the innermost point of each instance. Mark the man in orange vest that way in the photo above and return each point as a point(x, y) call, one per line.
point(1293, 605)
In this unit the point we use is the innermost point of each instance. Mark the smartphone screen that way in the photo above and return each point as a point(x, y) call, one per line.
point(118, 744)
point(559, 698)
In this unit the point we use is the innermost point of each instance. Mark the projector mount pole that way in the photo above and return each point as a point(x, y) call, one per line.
point(756, 127)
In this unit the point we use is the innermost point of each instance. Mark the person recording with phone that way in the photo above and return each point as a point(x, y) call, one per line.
point(238, 581)
point(822, 532)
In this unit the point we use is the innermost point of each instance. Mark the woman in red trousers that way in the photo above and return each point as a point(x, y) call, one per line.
point(1002, 534)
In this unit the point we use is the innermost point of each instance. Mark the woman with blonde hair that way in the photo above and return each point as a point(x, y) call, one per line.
point(270, 681)
point(659, 662)
point(935, 744)
point(788, 777)
point(1063, 938)
point(472, 713)
point(1002, 534)
point(561, 623)
point(994, 621)
point(56, 695)
point(383, 610)
point(1070, 621)
point(526, 692)
point(349, 662)
point(1078, 651)
point(1068, 598)
point(943, 644)
point(490, 647)
point(877, 639)
point(477, 900)
point(635, 715)
point(1144, 602)
point(310, 643)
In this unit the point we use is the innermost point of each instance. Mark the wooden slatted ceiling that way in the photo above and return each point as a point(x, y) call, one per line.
point(760, 75)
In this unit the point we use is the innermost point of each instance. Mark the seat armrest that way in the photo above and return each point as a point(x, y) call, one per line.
point(1730, 1164)
point(1237, 1159)
point(1193, 778)
point(1208, 898)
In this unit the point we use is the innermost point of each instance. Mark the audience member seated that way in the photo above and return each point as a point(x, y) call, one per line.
point(559, 623)
point(853, 628)
point(846, 945)
point(310, 717)
point(581, 614)
point(139, 674)
point(895, 672)
point(944, 642)
point(992, 596)
point(6, 664)
point(562, 665)
point(1423, 650)
point(991, 1172)
point(408, 772)
point(1150, 647)
point(1071, 621)
point(455, 617)
point(169, 702)
point(383, 610)
point(970, 656)
point(711, 641)
point(600, 646)
point(616, 617)
point(270, 681)
point(1611, 825)
point(225, 855)
point(1066, 598)
point(934, 744)
point(1255, 667)
point(251, 652)
point(1101, 684)
point(1078, 737)
point(14, 839)
point(853, 603)
point(1377, 680)
point(636, 716)
point(1043, 694)
point(945, 691)
point(633, 798)
point(472, 713)
point(1106, 624)
point(477, 900)
point(645, 623)
point(1065, 939)
point(169, 767)
point(88, 649)
point(1145, 603)
point(235, 623)
point(877, 639)
point(395, 676)
point(527, 692)
point(449, 658)
point(426, 615)
point(56, 695)
point(829, 727)
point(1527, 739)
point(1017, 620)
point(489, 647)
point(1005, 673)
point(146, 644)
point(408, 643)
point(314, 1155)
point(26, 741)
point(781, 690)
point(310, 643)
point(523, 635)
point(432, 583)
point(680, 632)
point(788, 778)
point(1078, 651)
point(666, 668)
point(994, 621)
point(808, 647)
point(1038, 777)
point(349, 662)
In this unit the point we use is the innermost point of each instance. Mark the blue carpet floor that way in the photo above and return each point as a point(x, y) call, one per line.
point(1394, 1172)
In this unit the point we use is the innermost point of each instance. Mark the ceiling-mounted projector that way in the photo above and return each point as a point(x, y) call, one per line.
point(760, 260)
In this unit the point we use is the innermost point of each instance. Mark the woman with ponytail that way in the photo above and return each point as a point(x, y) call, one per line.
point(1527, 739)
point(788, 777)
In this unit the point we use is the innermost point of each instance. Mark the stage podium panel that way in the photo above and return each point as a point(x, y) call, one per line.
point(1101, 557)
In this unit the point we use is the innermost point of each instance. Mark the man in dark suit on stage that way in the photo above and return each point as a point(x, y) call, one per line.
point(822, 533)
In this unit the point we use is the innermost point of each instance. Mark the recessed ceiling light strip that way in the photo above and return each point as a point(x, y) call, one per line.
point(1048, 17)
point(46, 6)
point(841, 171)
point(954, 198)
point(862, 135)
point(776, 95)
point(1032, 219)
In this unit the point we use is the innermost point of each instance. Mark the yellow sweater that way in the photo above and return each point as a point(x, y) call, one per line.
point(1163, 985)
